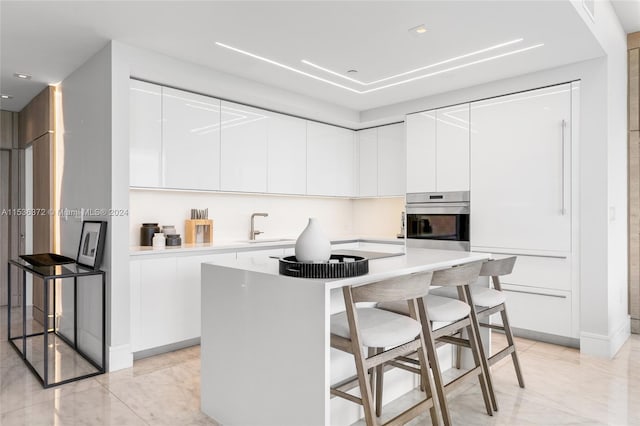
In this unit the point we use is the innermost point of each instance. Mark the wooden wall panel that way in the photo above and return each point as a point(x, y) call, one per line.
point(633, 45)
point(6, 129)
point(37, 118)
point(634, 229)
point(634, 89)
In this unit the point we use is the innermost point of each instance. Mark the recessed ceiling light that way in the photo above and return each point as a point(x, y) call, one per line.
point(419, 30)
point(22, 75)
point(6, 96)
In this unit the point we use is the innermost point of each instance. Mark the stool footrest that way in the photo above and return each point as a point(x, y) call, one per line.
point(455, 341)
point(346, 396)
point(409, 414)
point(503, 353)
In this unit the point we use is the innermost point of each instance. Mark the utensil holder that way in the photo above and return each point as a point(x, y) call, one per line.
point(191, 230)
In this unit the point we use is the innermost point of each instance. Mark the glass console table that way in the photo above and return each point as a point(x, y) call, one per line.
point(69, 344)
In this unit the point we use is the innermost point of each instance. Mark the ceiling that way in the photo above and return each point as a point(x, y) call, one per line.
point(50, 39)
point(628, 12)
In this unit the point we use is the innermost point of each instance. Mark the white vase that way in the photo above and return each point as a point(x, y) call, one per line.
point(312, 245)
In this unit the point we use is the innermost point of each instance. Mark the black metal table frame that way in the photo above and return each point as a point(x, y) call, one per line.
point(86, 272)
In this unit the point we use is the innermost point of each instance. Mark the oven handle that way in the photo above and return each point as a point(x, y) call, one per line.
point(430, 209)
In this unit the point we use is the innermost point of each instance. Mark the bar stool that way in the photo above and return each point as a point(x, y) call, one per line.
point(442, 319)
point(491, 301)
point(360, 327)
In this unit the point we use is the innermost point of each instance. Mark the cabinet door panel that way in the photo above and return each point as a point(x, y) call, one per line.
point(243, 148)
point(392, 171)
point(330, 160)
point(452, 148)
point(191, 140)
point(421, 152)
point(145, 134)
point(287, 155)
point(158, 291)
point(540, 310)
point(367, 162)
point(520, 175)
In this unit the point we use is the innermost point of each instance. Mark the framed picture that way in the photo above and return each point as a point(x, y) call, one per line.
point(91, 246)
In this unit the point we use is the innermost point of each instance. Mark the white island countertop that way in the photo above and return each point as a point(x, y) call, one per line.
point(266, 339)
point(414, 260)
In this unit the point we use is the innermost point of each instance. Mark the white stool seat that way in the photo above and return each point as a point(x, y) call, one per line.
point(439, 309)
point(378, 328)
point(482, 296)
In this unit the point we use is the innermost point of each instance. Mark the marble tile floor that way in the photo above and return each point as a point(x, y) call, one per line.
point(563, 387)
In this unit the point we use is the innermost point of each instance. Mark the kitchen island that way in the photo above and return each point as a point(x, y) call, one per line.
point(265, 351)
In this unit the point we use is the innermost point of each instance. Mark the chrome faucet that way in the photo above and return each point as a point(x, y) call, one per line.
point(254, 232)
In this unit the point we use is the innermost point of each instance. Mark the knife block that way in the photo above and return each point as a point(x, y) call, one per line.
point(191, 230)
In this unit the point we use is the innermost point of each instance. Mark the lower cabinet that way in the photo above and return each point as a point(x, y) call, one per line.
point(539, 310)
point(165, 300)
point(540, 295)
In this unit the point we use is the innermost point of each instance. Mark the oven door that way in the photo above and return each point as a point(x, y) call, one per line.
point(437, 226)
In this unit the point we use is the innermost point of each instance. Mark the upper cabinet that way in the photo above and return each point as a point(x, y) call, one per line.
point(244, 148)
point(381, 161)
point(190, 140)
point(391, 160)
point(367, 141)
point(287, 155)
point(438, 150)
point(330, 160)
point(421, 152)
point(452, 148)
point(145, 134)
point(521, 175)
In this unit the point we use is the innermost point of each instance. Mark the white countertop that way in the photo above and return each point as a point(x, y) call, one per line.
point(224, 246)
point(415, 260)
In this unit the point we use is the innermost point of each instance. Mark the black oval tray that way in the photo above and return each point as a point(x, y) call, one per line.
point(291, 267)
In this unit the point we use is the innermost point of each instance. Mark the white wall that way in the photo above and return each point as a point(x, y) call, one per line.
point(86, 182)
point(612, 38)
point(378, 217)
point(231, 213)
point(339, 217)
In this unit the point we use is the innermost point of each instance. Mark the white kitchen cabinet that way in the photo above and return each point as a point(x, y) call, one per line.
point(330, 160)
point(367, 141)
point(391, 160)
point(190, 140)
point(287, 155)
point(521, 171)
point(145, 134)
point(542, 311)
point(421, 152)
point(243, 153)
point(165, 300)
point(452, 148)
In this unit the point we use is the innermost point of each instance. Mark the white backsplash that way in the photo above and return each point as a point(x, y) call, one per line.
point(288, 215)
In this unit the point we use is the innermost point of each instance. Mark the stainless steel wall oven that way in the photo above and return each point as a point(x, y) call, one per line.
point(438, 220)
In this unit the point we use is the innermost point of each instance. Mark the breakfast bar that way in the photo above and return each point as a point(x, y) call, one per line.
point(265, 346)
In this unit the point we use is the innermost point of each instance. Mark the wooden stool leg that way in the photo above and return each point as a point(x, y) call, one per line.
point(510, 342)
point(432, 356)
point(379, 383)
point(479, 356)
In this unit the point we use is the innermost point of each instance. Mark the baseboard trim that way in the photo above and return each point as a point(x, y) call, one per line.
point(605, 346)
point(539, 336)
point(119, 357)
point(166, 348)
